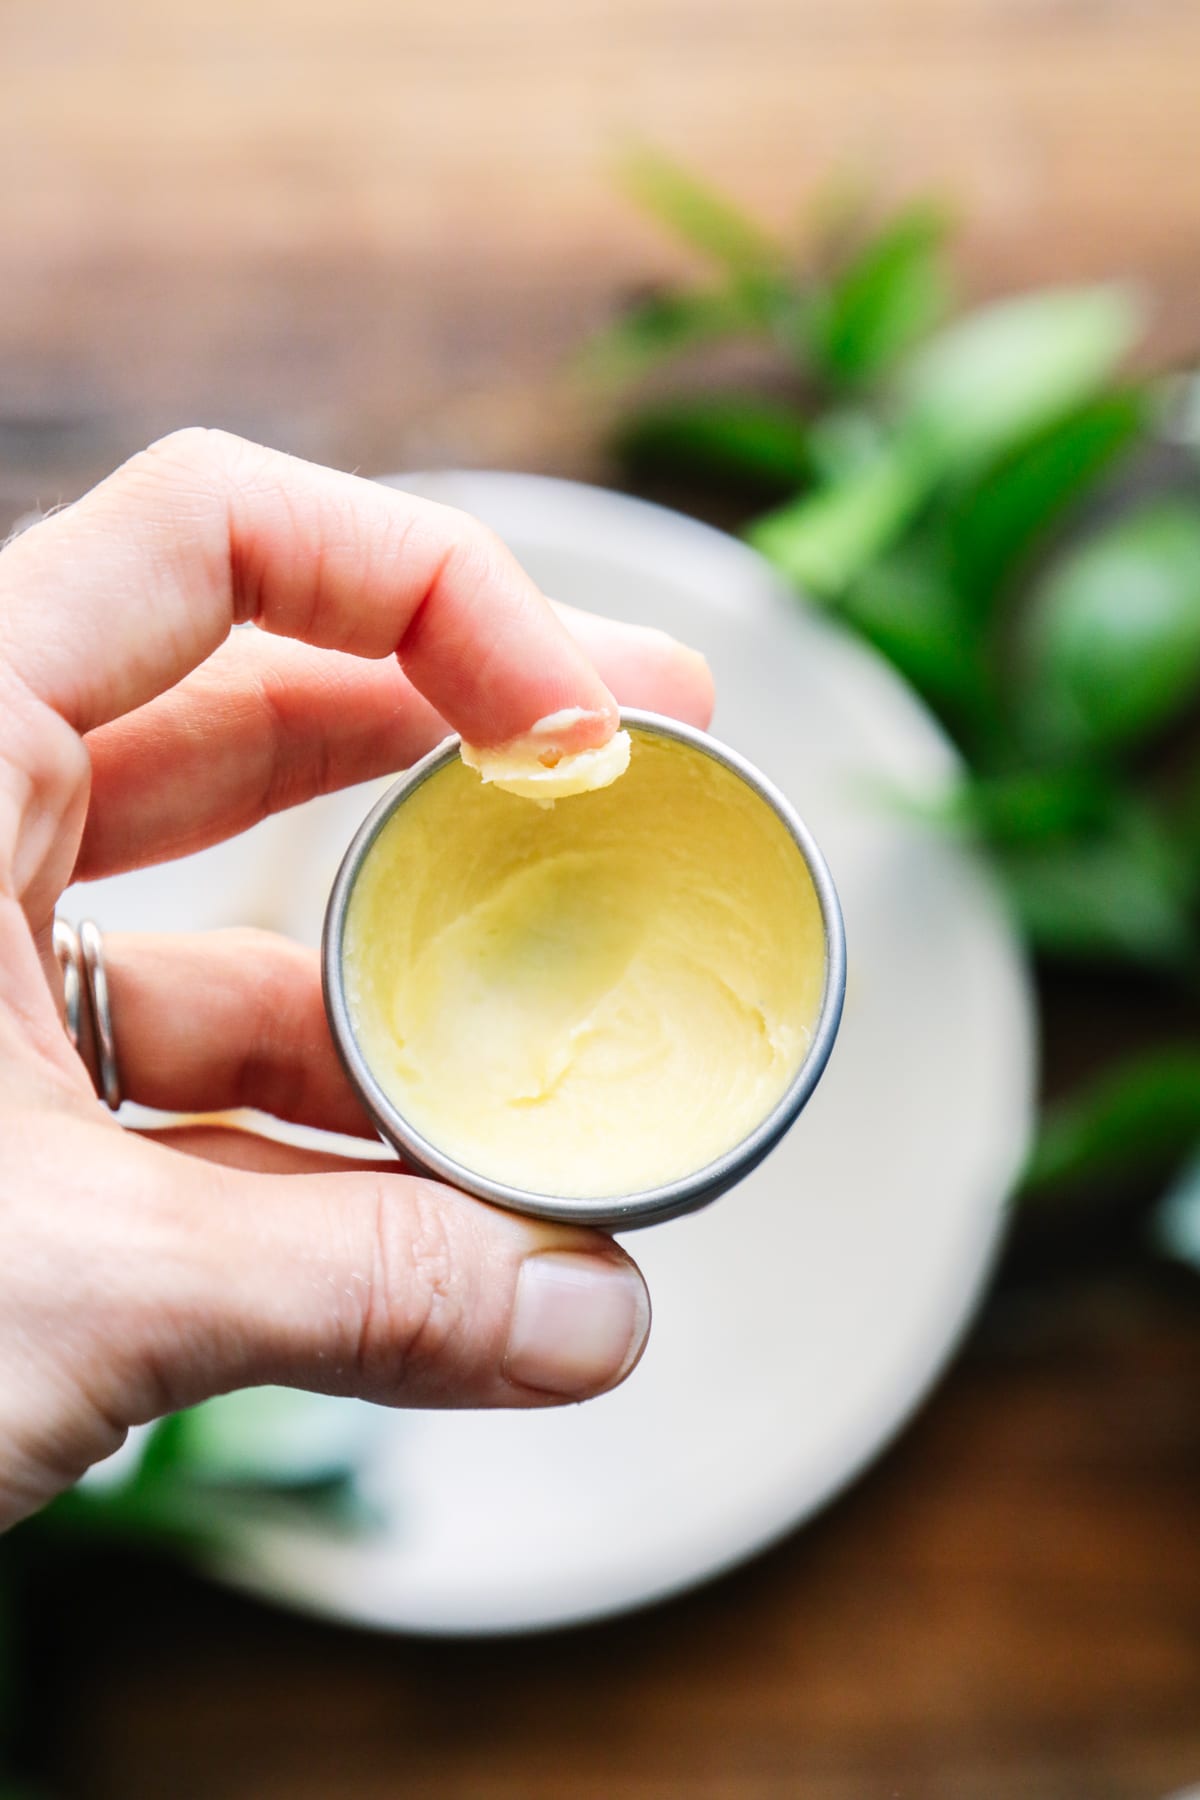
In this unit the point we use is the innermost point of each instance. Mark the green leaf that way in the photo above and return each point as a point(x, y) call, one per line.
point(1124, 894)
point(275, 1437)
point(259, 1437)
point(1113, 645)
point(1000, 516)
point(165, 1452)
point(736, 440)
point(1037, 806)
point(845, 442)
point(888, 297)
point(695, 212)
point(666, 325)
point(263, 1454)
point(1138, 1121)
point(175, 1514)
point(1178, 418)
point(1176, 1224)
point(826, 540)
point(978, 389)
point(1004, 372)
point(1184, 819)
point(906, 604)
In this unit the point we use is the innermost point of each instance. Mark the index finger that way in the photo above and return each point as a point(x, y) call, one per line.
point(109, 603)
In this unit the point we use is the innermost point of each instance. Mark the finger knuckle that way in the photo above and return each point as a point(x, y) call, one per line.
point(410, 1315)
point(45, 777)
point(276, 959)
point(202, 449)
point(197, 460)
point(477, 552)
point(467, 555)
point(282, 989)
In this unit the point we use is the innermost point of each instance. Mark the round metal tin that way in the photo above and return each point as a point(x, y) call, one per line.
point(613, 1212)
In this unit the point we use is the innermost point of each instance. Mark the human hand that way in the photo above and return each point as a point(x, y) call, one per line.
point(144, 1272)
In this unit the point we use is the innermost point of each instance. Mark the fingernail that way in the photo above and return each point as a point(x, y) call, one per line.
point(578, 1325)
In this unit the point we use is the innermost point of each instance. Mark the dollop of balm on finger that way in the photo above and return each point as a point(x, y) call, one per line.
point(534, 766)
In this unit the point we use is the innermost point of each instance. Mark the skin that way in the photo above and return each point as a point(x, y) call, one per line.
point(146, 1272)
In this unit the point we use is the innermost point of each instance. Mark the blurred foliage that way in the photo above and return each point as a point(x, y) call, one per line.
point(193, 1484)
point(1013, 521)
point(1140, 1115)
point(1177, 1223)
point(259, 1456)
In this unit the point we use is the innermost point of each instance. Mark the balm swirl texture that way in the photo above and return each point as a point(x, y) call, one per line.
point(592, 999)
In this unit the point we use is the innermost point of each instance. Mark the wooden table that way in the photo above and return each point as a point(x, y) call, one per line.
point(1009, 1605)
point(372, 233)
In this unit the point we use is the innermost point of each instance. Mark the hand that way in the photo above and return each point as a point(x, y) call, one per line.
point(144, 1272)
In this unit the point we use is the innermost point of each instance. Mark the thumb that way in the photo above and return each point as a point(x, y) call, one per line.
point(393, 1288)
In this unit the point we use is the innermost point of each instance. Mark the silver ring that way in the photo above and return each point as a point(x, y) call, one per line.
point(92, 946)
point(70, 961)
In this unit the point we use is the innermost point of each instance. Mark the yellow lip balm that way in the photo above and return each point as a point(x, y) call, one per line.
point(592, 998)
point(536, 769)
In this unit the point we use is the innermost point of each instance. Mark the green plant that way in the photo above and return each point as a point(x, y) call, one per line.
point(968, 491)
point(192, 1485)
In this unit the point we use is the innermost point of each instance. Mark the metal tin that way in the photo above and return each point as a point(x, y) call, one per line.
point(620, 1212)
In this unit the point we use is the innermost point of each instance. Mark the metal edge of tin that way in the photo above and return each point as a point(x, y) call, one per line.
point(623, 1212)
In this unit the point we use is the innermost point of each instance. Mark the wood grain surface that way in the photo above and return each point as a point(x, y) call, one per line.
point(374, 233)
point(1007, 1608)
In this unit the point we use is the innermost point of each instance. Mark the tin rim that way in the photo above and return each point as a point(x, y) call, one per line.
point(650, 1205)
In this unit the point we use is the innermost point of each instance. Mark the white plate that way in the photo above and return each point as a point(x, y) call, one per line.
point(798, 1321)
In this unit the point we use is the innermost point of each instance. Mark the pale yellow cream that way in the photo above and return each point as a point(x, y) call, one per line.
point(593, 999)
point(535, 767)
